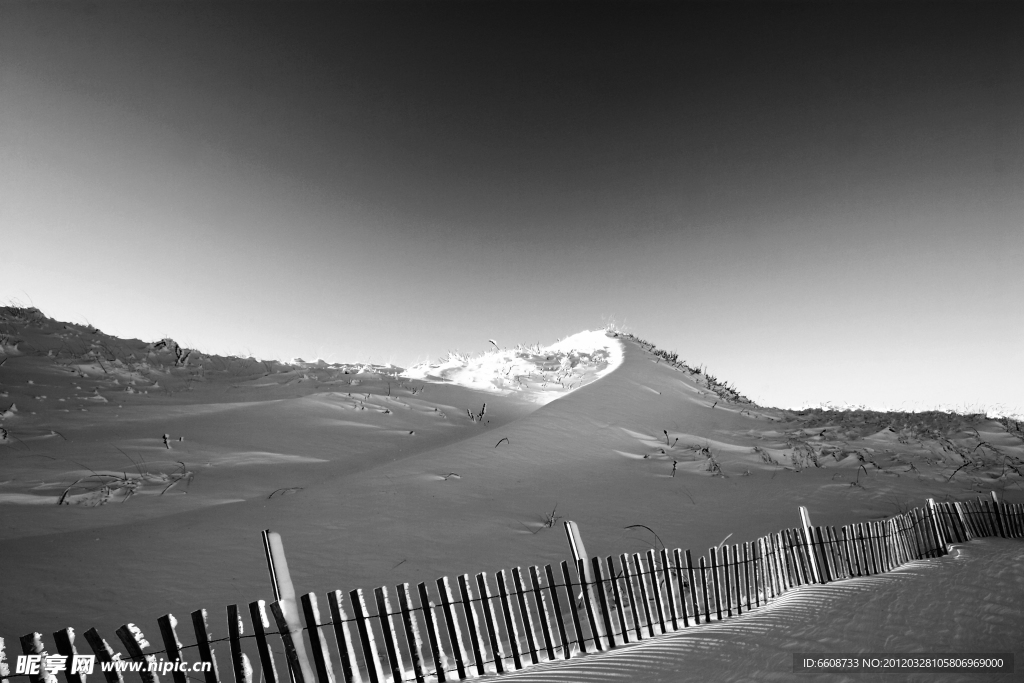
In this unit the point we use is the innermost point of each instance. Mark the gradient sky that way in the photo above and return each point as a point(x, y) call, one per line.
point(819, 202)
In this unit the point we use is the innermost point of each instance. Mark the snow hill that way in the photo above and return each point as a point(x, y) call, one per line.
point(135, 477)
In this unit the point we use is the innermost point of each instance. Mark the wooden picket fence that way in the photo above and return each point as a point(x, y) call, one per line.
point(482, 625)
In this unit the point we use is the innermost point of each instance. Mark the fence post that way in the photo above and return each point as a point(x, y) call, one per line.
point(805, 520)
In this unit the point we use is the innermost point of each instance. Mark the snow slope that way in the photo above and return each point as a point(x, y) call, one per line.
point(375, 477)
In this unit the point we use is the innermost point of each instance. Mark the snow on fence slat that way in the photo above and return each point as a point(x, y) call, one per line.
point(644, 597)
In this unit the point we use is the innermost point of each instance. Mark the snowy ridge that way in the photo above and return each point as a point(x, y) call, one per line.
point(539, 374)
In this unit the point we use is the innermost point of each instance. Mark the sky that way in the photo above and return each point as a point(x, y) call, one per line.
point(822, 203)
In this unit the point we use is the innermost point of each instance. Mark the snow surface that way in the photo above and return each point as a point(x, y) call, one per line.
point(170, 464)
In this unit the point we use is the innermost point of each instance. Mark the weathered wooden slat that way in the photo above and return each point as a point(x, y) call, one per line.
point(437, 655)
point(64, 641)
point(853, 550)
point(704, 589)
point(473, 624)
point(910, 524)
point(886, 540)
point(321, 659)
point(32, 644)
point(828, 563)
point(525, 614)
point(543, 612)
point(652, 569)
point(771, 578)
point(557, 609)
point(644, 596)
point(366, 640)
point(5, 667)
point(799, 559)
point(958, 521)
point(961, 513)
point(926, 536)
point(342, 637)
point(573, 610)
point(903, 535)
point(454, 632)
point(877, 546)
point(104, 655)
point(895, 551)
point(786, 548)
point(631, 594)
point(412, 631)
point(670, 593)
point(588, 604)
point(723, 560)
point(832, 560)
point(774, 581)
point(681, 583)
point(491, 621)
point(240, 666)
point(770, 575)
point(602, 594)
point(736, 578)
point(746, 571)
point(837, 553)
point(172, 646)
point(510, 623)
point(893, 536)
point(862, 547)
point(785, 570)
point(201, 626)
point(693, 587)
point(291, 654)
point(617, 596)
point(387, 630)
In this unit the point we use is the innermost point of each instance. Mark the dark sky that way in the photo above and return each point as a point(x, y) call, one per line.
point(752, 184)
